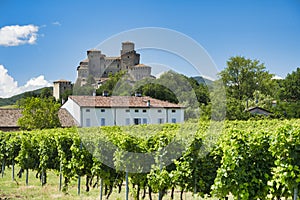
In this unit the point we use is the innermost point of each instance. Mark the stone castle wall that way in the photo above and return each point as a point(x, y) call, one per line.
point(99, 66)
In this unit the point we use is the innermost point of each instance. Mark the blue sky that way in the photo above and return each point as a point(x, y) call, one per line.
point(60, 32)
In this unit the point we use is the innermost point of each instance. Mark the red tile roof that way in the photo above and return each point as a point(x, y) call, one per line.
point(66, 119)
point(122, 101)
point(9, 117)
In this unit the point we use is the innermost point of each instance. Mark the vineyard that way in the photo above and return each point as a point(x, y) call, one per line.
point(247, 159)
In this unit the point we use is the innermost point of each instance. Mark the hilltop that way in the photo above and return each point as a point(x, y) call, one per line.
point(12, 100)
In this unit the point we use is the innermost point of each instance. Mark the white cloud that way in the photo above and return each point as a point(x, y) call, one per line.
point(9, 87)
point(56, 23)
point(17, 35)
point(277, 77)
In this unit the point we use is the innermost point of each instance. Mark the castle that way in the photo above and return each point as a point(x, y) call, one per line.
point(99, 66)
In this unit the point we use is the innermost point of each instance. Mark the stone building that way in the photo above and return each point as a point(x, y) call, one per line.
point(99, 66)
point(60, 86)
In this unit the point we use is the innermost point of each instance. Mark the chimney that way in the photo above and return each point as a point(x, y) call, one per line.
point(148, 103)
point(105, 94)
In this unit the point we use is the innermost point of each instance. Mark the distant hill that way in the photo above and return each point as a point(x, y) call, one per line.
point(202, 80)
point(12, 100)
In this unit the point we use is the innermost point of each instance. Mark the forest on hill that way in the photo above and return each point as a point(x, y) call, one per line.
point(44, 92)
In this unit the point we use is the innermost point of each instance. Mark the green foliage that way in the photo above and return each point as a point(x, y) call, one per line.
point(110, 85)
point(245, 167)
point(66, 94)
point(158, 91)
point(35, 93)
point(243, 76)
point(285, 147)
point(79, 89)
point(46, 92)
point(38, 113)
point(291, 86)
point(251, 159)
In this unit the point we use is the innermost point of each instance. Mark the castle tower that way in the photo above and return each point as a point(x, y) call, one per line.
point(139, 72)
point(59, 87)
point(127, 47)
point(129, 57)
point(94, 63)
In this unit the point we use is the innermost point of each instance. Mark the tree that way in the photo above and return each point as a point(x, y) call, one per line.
point(79, 89)
point(243, 76)
point(291, 86)
point(158, 92)
point(38, 113)
point(110, 85)
point(46, 92)
point(288, 101)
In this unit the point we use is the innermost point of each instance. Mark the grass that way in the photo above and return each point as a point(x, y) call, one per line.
point(9, 106)
point(18, 189)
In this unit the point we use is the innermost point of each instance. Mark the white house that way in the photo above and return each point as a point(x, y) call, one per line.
point(122, 110)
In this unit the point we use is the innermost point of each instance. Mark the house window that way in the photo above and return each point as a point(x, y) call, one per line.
point(173, 111)
point(173, 120)
point(127, 110)
point(144, 111)
point(159, 111)
point(88, 122)
point(145, 121)
point(102, 110)
point(137, 121)
point(136, 110)
point(87, 110)
point(102, 122)
point(127, 121)
point(160, 120)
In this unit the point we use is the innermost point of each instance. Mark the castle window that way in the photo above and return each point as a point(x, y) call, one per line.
point(127, 56)
point(127, 110)
point(144, 111)
point(102, 110)
point(87, 110)
point(173, 111)
point(159, 111)
point(136, 110)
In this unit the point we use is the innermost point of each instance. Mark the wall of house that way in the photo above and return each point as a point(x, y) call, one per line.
point(94, 116)
point(74, 110)
point(129, 116)
point(126, 116)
